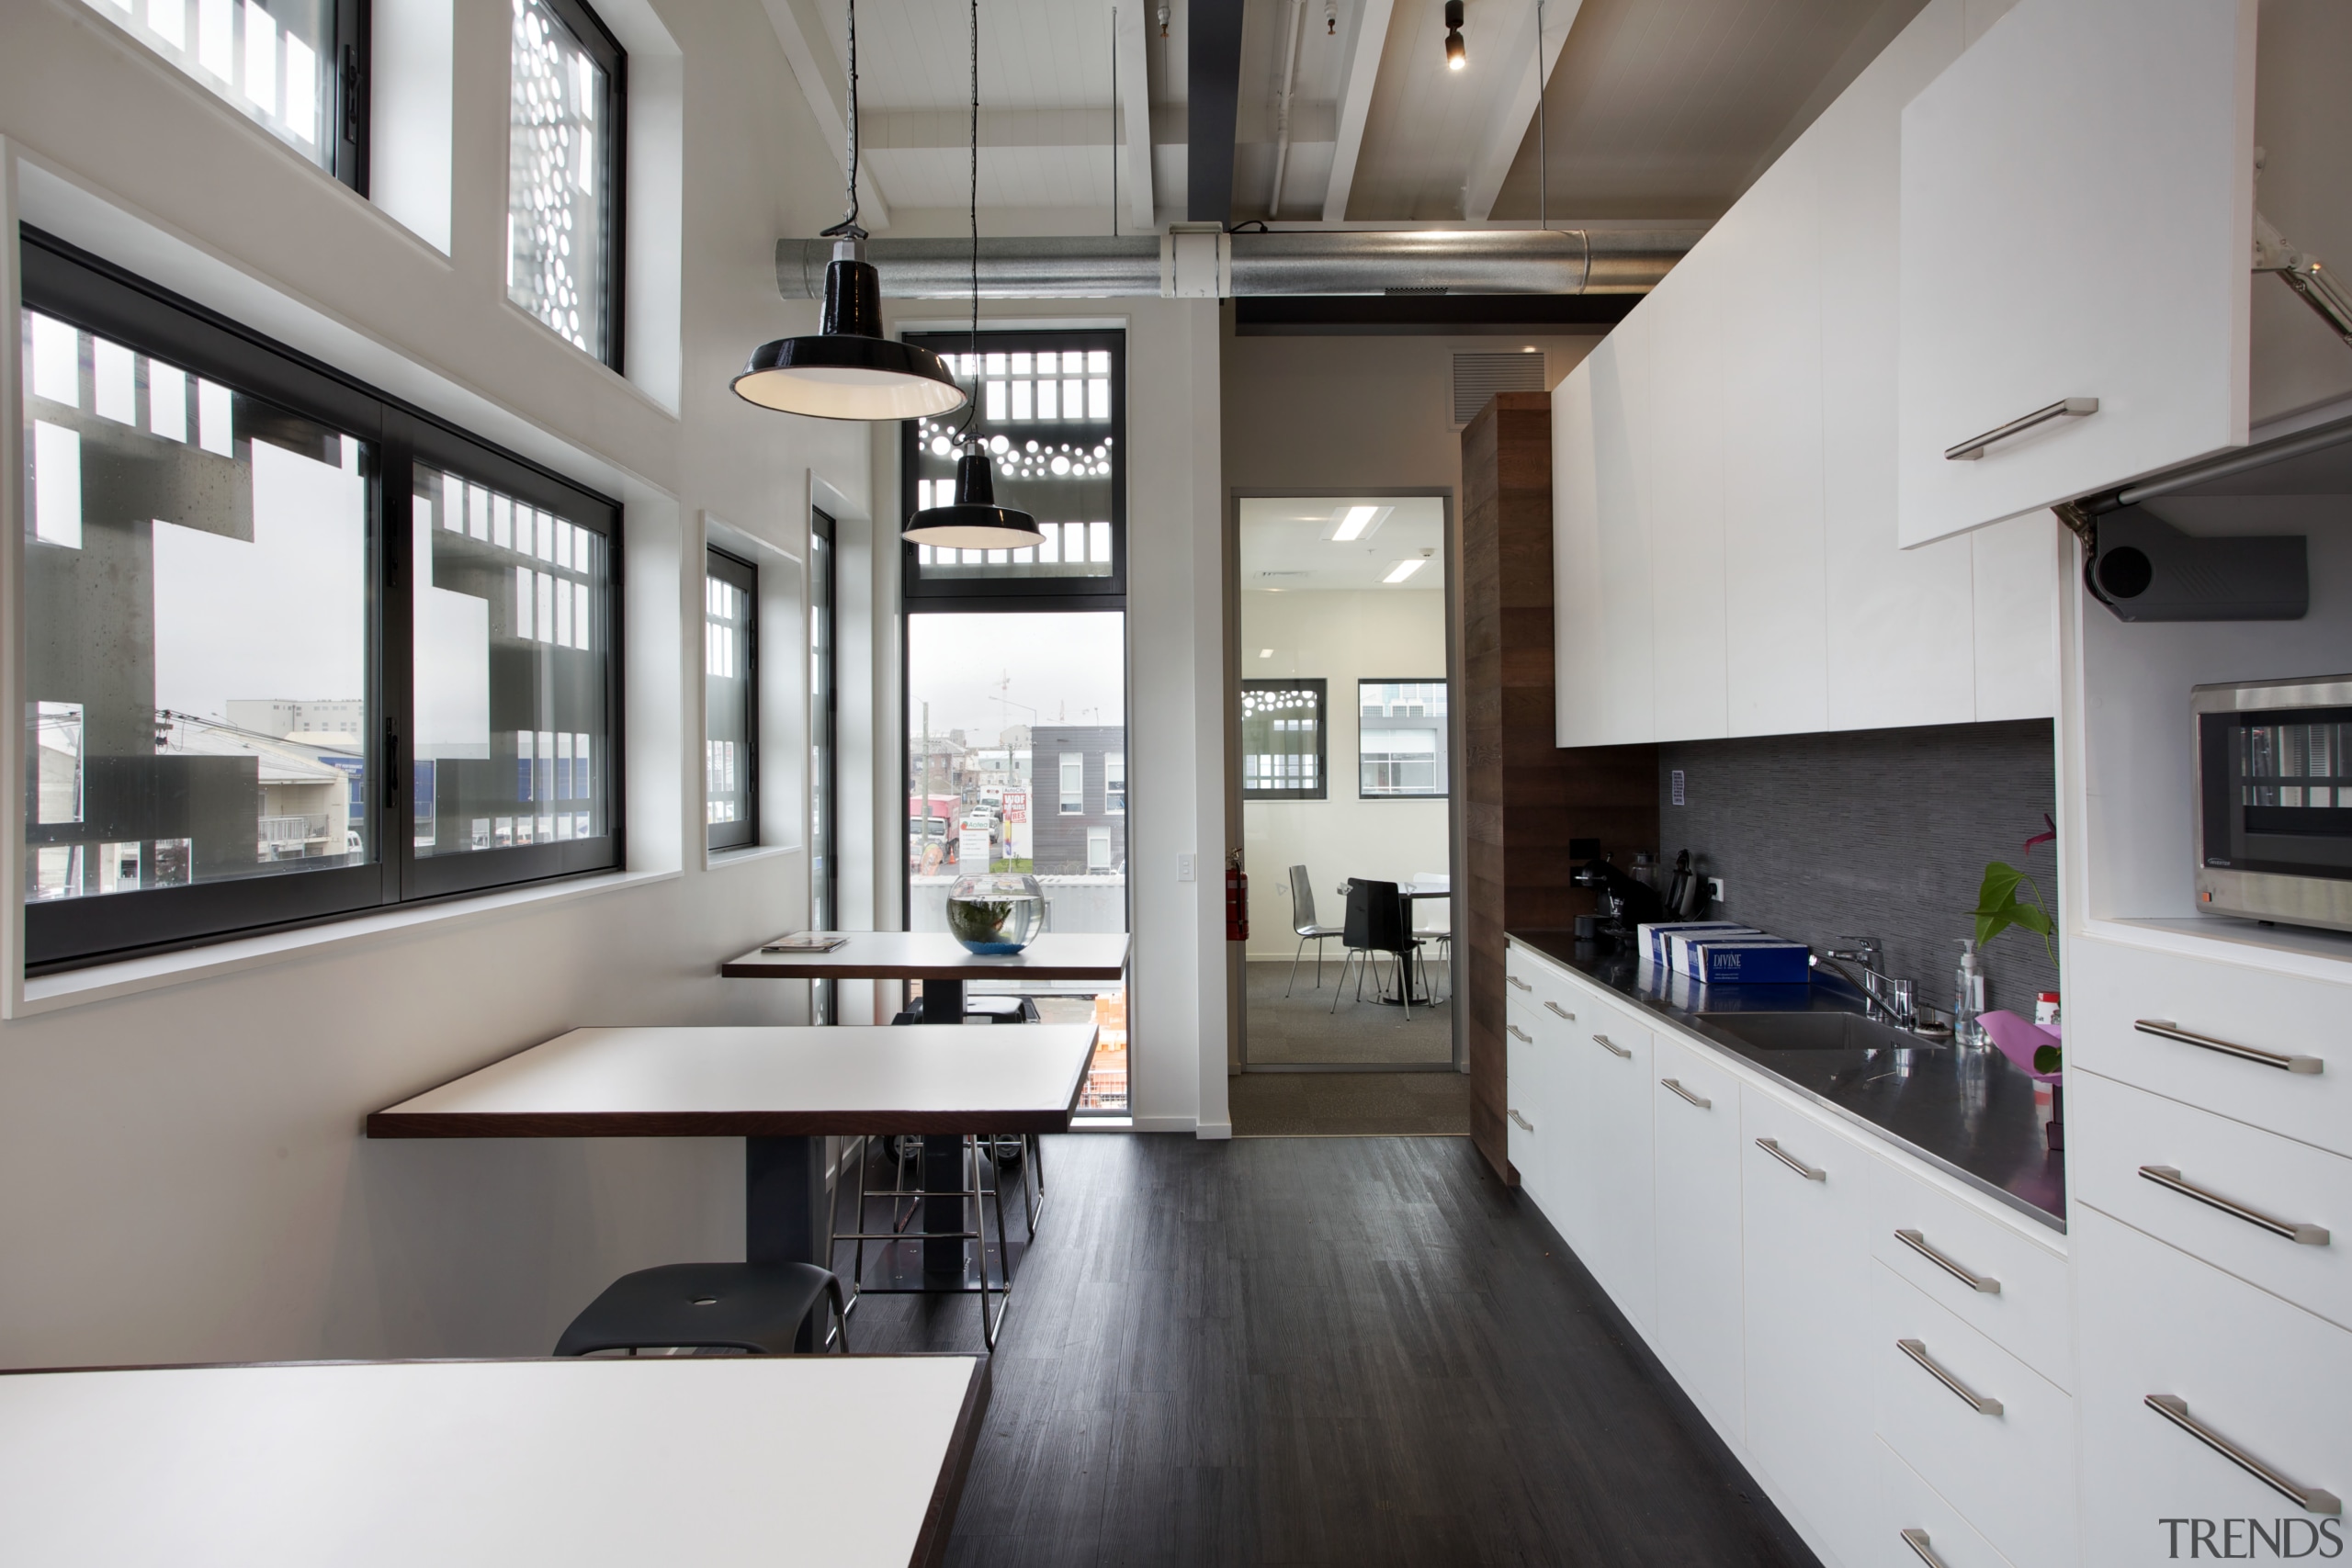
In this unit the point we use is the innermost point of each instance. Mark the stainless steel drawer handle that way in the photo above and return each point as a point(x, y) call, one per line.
point(1772, 1147)
point(1519, 983)
point(2164, 1029)
point(1700, 1100)
point(1518, 1035)
point(1610, 1046)
point(2164, 1176)
point(2064, 408)
point(1916, 1540)
point(2175, 1409)
point(1524, 1125)
point(1564, 1012)
point(1919, 1352)
point(1975, 1282)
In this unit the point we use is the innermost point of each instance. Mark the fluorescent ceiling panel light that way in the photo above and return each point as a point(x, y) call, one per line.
point(1354, 523)
point(1265, 653)
point(1401, 570)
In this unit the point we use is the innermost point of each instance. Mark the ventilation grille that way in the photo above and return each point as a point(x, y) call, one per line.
point(1478, 377)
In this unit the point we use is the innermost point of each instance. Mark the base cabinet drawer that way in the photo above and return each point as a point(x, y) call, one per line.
point(2257, 1387)
point(2011, 1288)
point(2267, 1209)
point(1917, 1528)
point(1990, 1434)
point(2234, 1040)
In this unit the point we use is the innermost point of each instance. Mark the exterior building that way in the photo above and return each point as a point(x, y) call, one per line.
point(279, 715)
point(1078, 802)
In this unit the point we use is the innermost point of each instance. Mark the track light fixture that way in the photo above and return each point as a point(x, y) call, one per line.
point(1456, 55)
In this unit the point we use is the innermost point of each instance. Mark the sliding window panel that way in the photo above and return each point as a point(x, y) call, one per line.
point(508, 769)
point(201, 639)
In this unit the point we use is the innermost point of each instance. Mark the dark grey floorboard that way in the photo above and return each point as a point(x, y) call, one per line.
point(1351, 1351)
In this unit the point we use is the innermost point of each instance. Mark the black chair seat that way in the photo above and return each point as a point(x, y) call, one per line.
point(753, 1307)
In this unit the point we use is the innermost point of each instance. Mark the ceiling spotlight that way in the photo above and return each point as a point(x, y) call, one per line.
point(1265, 653)
point(1352, 524)
point(1401, 570)
point(1456, 56)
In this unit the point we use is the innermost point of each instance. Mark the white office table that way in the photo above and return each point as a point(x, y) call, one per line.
point(782, 1090)
point(850, 1461)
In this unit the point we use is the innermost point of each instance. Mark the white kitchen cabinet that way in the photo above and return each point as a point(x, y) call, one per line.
point(2254, 1372)
point(1528, 1099)
point(1805, 1273)
point(1579, 636)
point(1690, 672)
point(2076, 225)
point(2011, 1286)
point(1695, 1129)
point(1912, 1515)
point(1601, 1174)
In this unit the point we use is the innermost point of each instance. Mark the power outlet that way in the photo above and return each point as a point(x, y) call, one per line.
point(1715, 888)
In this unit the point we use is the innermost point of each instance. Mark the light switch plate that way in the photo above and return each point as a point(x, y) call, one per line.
point(1715, 888)
point(1183, 868)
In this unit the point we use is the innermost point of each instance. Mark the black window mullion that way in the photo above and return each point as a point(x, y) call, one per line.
point(353, 104)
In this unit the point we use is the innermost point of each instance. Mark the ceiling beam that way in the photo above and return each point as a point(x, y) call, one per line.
point(1133, 80)
point(826, 86)
point(1213, 100)
point(1506, 128)
point(1367, 36)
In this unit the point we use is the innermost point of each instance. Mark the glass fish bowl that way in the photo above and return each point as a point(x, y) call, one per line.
point(996, 911)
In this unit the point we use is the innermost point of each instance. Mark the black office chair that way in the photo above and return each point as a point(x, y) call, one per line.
point(1376, 923)
point(1302, 920)
point(757, 1308)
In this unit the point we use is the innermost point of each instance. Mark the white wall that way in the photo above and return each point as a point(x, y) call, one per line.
point(181, 1173)
point(1343, 638)
point(1175, 689)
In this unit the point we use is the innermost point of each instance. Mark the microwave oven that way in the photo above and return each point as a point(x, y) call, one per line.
point(2274, 800)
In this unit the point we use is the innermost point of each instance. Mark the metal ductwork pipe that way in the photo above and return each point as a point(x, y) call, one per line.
point(1201, 262)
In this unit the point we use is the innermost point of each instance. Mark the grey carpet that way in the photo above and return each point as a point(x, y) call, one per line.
point(1303, 1028)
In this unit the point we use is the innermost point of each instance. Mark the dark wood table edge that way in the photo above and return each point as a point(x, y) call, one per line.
point(947, 1491)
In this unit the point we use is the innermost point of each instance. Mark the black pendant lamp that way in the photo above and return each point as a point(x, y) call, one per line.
point(975, 521)
point(850, 370)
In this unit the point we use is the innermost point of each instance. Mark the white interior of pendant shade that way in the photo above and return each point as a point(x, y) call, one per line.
point(973, 536)
point(837, 392)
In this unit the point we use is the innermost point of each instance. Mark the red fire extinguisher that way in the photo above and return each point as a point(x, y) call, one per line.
point(1236, 899)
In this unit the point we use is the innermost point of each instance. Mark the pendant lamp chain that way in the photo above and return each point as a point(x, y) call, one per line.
point(973, 408)
point(848, 225)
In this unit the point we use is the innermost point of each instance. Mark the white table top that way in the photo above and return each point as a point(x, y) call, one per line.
point(936, 955)
point(772, 1081)
point(843, 1461)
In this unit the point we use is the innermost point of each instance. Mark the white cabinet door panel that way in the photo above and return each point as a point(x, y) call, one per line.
point(2016, 608)
point(1579, 642)
point(2077, 212)
point(1695, 1122)
point(1609, 1063)
point(2255, 1371)
point(1769, 277)
point(1528, 1099)
point(1686, 498)
point(1621, 442)
point(1909, 1506)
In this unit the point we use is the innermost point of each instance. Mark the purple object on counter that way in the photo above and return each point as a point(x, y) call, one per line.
point(2019, 1040)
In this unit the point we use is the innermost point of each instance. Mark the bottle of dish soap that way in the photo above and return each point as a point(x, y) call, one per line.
point(1968, 998)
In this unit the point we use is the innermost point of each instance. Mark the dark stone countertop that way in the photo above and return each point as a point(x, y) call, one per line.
point(1968, 1112)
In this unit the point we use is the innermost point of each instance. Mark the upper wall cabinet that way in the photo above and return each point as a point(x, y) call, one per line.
point(2077, 209)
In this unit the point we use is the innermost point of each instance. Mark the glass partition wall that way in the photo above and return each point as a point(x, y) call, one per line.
point(1015, 667)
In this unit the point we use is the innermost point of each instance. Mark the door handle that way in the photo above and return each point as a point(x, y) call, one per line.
point(1918, 1244)
point(1562, 1012)
point(1519, 983)
point(2166, 1177)
point(1772, 1146)
point(2175, 1409)
point(1524, 1125)
point(2164, 1029)
point(1515, 1034)
point(1612, 1046)
point(1916, 1540)
point(1984, 1404)
point(2064, 408)
point(1699, 1100)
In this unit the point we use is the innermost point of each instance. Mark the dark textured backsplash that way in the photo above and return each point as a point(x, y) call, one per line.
point(1880, 832)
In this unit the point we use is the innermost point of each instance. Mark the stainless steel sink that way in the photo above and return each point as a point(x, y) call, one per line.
point(1816, 1031)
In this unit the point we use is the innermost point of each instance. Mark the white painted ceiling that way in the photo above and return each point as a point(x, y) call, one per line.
point(1654, 108)
point(1287, 547)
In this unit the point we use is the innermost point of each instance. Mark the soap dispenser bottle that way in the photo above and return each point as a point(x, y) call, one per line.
point(1968, 997)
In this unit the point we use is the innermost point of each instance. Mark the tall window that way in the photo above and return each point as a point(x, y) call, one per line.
point(1073, 783)
point(824, 866)
point(1401, 739)
point(1283, 740)
point(236, 724)
point(563, 174)
point(298, 68)
point(730, 701)
point(1114, 783)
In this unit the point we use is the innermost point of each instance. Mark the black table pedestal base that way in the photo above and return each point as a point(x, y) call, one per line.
point(787, 1217)
point(943, 1163)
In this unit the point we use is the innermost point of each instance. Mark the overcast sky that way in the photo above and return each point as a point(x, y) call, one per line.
point(1047, 669)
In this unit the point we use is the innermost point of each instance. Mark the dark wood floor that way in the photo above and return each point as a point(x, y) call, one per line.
point(1321, 1351)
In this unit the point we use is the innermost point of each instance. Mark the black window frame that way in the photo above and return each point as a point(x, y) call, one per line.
point(1320, 687)
point(743, 833)
point(588, 30)
point(1441, 724)
point(1011, 593)
point(824, 747)
point(60, 280)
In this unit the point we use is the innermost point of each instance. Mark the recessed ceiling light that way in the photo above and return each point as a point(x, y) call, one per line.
point(1401, 570)
point(1265, 653)
point(1358, 519)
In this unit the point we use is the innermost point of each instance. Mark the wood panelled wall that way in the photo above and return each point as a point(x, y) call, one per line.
point(1524, 798)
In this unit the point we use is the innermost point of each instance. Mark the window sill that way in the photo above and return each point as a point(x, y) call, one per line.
point(104, 982)
point(744, 854)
